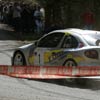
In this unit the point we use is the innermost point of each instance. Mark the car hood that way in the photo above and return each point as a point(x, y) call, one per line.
point(26, 46)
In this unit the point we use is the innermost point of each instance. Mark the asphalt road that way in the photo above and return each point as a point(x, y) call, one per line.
point(24, 89)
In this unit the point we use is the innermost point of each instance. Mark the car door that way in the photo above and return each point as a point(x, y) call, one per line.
point(47, 46)
point(69, 45)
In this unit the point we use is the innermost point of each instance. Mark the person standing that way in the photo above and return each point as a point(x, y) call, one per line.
point(17, 16)
point(38, 20)
point(88, 19)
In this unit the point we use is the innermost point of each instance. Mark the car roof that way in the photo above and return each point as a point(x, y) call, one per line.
point(78, 31)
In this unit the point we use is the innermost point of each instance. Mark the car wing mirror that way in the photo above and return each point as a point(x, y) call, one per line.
point(98, 42)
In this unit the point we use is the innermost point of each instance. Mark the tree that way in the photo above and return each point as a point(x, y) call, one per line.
point(67, 12)
point(52, 11)
point(58, 12)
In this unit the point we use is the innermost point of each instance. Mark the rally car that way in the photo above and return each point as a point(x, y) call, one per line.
point(67, 47)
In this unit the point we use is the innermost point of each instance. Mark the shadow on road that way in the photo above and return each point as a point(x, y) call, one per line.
point(8, 35)
point(92, 84)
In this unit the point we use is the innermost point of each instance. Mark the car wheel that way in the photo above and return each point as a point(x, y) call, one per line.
point(70, 63)
point(18, 59)
point(78, 81)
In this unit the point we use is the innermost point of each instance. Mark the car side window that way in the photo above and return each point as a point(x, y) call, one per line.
point(70, 42)
point(51, 40)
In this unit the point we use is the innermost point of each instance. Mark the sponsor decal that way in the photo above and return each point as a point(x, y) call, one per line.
point(52, 55)
point(69, 56)
point(31, 60)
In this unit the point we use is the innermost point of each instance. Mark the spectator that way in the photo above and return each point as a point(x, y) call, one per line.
point(23, 17)
point(5, 14)
point(10, 15)
point(17, 16)
point(32, 19)
point(88, 19)
point(38, 19)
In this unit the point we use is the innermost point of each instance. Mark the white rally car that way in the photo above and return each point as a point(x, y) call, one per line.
point(68, 47)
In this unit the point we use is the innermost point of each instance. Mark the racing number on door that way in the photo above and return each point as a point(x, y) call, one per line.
point(39, 58)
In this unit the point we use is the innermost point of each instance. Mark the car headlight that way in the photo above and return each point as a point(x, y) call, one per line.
point(91, 54)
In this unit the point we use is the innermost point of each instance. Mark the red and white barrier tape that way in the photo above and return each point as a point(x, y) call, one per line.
point(50, 72)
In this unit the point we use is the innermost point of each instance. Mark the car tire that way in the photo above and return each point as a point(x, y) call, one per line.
point(70, 62)
point(18, 59)
point(78, 81)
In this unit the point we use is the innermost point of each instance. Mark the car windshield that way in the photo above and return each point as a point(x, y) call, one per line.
point(92, 39)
